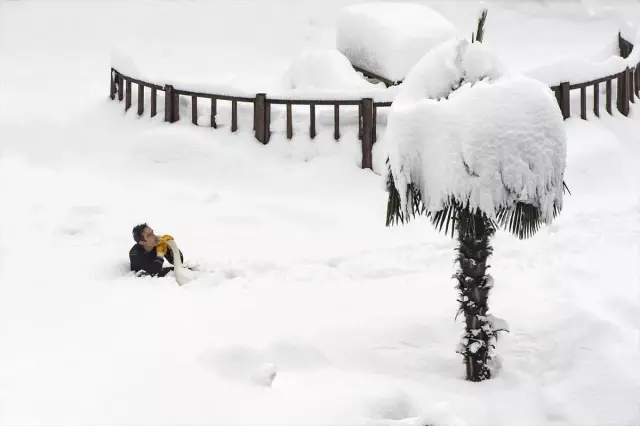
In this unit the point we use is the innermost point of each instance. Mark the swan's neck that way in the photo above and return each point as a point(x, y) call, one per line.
point(177, 259)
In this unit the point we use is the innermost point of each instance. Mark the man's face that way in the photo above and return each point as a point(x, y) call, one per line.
point(149, 239)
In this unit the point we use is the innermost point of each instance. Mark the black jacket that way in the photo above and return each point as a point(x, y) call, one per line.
point(149, 262)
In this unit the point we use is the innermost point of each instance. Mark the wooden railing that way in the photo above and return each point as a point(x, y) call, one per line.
point(627, 89)
point(121, 85)
point(627, 82)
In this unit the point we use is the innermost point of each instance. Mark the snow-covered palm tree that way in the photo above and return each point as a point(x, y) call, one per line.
point(474, 148)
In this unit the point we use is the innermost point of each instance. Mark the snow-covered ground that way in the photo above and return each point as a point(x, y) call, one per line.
point(299, 274)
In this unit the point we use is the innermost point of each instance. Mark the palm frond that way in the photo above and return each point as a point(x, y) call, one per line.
point(481, 22)
point(466, 219)
point(521, 219)
point(395, 213)
point(448, 217)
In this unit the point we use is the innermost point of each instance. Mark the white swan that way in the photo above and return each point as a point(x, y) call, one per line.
point(182, 276)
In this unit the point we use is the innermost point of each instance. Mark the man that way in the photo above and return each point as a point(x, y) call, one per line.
point(148, 254)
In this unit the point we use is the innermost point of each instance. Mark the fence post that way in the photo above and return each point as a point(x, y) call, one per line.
point(628, 86)
point(336, 122)
point(623, 92)
point(596, 99)
point(374, 137)
point(234, 115)
point(260, 119)
point(564, 100)
point(154, 101)
point(267, 127)
point(609, 96)
point(120, 87)
point(631, 83)
point(289, 122)
point(168, 103)
point(360, 121)
point(140, 99)
point(312, 120)
point(112, 89)
point(214, 112)
point(175, 115)
point(127, 96)
point(367, 133)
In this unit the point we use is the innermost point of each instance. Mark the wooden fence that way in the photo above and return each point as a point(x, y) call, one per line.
point(121, 86)
point(627, 89)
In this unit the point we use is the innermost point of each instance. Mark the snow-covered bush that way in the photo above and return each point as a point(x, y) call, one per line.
point(462, 126)
point(389, 38)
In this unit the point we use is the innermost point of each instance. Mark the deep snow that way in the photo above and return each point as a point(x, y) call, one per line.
point(299, 274)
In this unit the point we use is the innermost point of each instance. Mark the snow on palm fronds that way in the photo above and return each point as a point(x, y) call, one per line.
point(466, 134)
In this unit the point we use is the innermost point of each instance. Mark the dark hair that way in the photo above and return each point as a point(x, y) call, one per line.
point(137, 232)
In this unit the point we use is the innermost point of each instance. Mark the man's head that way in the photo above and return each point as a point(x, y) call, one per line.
point(143, 235)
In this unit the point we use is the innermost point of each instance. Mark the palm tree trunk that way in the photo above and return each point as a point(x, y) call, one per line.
point(474, 233)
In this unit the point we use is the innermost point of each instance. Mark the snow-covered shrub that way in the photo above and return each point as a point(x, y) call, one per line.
point(464, 127)
point(389, 38)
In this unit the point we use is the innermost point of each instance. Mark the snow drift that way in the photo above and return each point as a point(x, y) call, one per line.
point(390, 38)
point(576, 69)
point(464, 127)
point(325, 70)
point(327, 74)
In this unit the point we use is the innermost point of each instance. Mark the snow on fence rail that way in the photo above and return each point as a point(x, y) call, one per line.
point(627, 89)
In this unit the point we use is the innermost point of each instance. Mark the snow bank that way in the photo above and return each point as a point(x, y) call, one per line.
point(624, 20)
point(496, 139)
point(611, 48)
point(328, 74)
point(124, 63)
point(388, 39)
point(316, 74)
point(123, 60)
point(325, 69)
point(578, 70)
